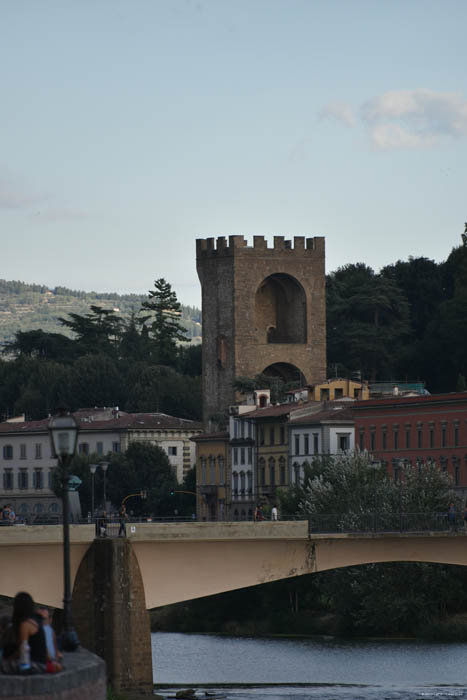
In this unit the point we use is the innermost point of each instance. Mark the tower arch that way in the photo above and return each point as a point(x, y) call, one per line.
point(281, 310)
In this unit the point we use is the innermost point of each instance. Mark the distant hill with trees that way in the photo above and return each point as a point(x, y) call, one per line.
point(27, 307)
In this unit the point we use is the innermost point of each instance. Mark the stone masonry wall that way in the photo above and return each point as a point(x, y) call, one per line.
point(230, 276)
point(110, 613)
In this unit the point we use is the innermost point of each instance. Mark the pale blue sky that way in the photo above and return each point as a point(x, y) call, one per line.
point(129, 129)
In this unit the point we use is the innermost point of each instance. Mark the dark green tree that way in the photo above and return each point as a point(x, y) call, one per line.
point(163, 320)
point(96, 332)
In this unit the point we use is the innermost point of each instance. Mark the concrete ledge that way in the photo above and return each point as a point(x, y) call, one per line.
point(84, 677)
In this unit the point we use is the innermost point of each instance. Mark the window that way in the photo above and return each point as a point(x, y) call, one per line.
point(38, 508)
point(115, 447)
point(297, 444)
point(372, 440)
point(262, 472)
point(172, 451)
point(83, 448)
point(384, 439)
point(344, 442)
point(396, 439)
point(282, 471)
point(242, 483)
point(296, 468)
point(315, 444)
point(456, 434)
point(8, 479)
point(203, 471)
point(361, 439)
point(407, 438)
point(282, 434)
point(249, 477)
point(306, 444)
point(338, 393)
point(250, 455)
point(100, 448)
point(22, 452)
point(235, 429)
point(419, 436)
point(8, 452)
point(38, 450)
point(220, 461)
point(261, 436)
point(235, 455)
point(242, 455)
point(50, 477)
point(242, 428)
point(432, 436)
point(53, 508)
point(212, 470)
point(37, 482)
point(324, 394)
point(23, 479)
point(443, 435)
point(271, 436)
point(272, 471)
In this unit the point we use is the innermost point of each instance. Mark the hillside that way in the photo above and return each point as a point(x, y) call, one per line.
point(26, 307)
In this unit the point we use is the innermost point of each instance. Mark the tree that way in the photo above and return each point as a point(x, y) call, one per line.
point(142, 466)
point(354, 489)
point(165, 327)
point(96, 332)
point(367, 320)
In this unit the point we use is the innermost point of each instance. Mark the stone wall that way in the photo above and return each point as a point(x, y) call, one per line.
point(83, 676)
point(235, 339)
point(110, 615)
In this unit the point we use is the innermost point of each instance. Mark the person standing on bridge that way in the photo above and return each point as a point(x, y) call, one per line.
point(122, 518)
point(274, 513)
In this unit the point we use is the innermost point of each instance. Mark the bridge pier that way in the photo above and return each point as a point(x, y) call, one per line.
point(110, 615)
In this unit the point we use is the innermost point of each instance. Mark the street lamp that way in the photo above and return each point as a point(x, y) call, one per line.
point(93, 469)
point(63, 431)
point(376, 464)
point(104, 467)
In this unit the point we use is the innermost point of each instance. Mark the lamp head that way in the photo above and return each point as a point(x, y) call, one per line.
point(63, 430)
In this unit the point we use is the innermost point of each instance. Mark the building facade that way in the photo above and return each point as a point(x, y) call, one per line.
point(415, 430)
point(212, 476)
point(26, 462)
point(263, 312)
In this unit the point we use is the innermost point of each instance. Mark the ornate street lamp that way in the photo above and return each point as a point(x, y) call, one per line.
point(93, 468)
point(63, 431)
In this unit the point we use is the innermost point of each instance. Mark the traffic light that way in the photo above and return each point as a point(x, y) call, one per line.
point(172, 492)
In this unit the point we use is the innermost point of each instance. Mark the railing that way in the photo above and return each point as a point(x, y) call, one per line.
point(385, 522)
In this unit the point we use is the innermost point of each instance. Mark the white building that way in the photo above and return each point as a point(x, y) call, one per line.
point(328, 432)
point(26, 462)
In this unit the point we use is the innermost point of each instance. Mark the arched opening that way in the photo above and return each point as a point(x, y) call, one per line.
point(285, 372)
point(280, 307)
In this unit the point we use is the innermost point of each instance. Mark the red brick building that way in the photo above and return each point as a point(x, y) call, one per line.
point(416, 429)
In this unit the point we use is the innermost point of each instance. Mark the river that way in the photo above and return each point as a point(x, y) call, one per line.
point(302, 669)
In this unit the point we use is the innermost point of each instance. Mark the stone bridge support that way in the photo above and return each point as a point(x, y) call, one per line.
point(110, 614)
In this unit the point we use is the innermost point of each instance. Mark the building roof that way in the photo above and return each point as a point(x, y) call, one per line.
point(398, 401)
point(211, 437)
point(333, 415)
point(89, 420)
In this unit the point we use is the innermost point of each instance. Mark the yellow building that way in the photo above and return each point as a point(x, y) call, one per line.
point(338, 388)
point(212, 476)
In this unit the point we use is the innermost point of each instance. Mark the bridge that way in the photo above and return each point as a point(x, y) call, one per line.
point(117, 580)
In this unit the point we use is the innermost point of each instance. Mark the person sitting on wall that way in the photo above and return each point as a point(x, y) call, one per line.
point(53, 654)
point(23, 643)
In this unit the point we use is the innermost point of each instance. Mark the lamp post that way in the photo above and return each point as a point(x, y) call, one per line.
point(93, 468)
point(63, 431)
point(104, 467)
point(376, 465)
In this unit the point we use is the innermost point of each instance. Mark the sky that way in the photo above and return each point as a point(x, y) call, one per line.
point(129, 129)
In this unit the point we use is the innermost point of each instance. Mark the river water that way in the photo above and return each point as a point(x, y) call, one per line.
point(302, 669)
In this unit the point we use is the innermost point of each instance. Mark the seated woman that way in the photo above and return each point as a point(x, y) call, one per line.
point(25, 631)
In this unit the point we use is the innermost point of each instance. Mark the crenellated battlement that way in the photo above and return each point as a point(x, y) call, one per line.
point(206, 247)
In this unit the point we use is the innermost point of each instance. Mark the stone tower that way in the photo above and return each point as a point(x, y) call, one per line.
point(263, 311)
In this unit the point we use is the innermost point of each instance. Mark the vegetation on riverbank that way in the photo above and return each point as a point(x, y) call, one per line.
point(428, 601)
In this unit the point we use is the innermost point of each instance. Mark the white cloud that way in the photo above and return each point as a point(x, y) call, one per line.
point(341, 111)
point(417, 118)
